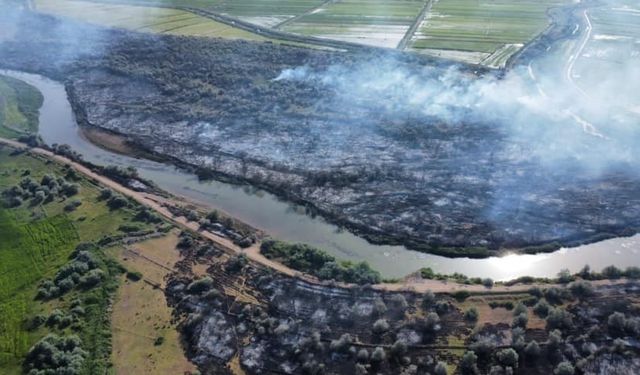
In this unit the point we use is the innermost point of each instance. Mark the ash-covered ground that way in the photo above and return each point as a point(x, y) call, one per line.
point(400, 149)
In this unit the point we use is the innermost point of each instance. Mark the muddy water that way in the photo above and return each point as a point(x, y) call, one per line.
point(287, 222)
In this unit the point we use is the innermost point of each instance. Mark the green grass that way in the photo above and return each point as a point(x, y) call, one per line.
point(19, 105)
point(35, 241)
point(483, 25)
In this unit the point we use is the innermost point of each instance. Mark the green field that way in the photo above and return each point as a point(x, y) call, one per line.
point(19, 104)
point(36, 239)
point(482, 27)
point(144, 19)
point(374, 22)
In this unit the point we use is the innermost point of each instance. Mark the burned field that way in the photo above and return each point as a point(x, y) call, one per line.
point(276, 117)
point(237, 315)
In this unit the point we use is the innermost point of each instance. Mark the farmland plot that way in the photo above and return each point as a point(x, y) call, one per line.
point(612, 55)
point(144, 19)
point(481, 31)
point(266, 13)
point(372, 22)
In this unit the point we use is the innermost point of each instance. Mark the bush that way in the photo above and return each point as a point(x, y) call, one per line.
point(117, 202)
point(399, 348)
point(564, 368)
point(134, 275)
point(461, 295)
point(488, 283)
point(159, 341)
point(428, 299)
point(541, 308)
point(380, 326)
point(581, 289)
point(559, 318)
point(520, 320)
point(469, 363)
point(237, 263)
point(532, 350)
point(564, 276)
point(55, 355)
point(440, 369)
point(378, 355)
point(471, 315)
point(201, 285)
point(508, 357)
point(612, 272)
point(73, 205)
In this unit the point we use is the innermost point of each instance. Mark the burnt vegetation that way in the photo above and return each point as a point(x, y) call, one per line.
point(389, 173)
point(281, 325)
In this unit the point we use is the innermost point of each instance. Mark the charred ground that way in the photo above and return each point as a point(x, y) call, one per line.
point(389, 173)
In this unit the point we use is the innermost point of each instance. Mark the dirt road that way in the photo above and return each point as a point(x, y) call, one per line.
point(253, 253)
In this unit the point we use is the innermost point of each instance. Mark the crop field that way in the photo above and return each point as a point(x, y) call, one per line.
point(35, 241)
point(483, 30)
point(614, 48)
point(143, 19)
point(373, 22)
point(19, 104)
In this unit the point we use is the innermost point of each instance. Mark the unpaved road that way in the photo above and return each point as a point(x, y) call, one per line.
point(155, 202)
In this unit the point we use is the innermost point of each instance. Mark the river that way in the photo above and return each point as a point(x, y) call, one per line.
point(288, 222)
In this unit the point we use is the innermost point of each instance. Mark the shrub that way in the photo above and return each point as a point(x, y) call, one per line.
point(363, 356)
point(559, 318)
point(581, 289)
point(159, 341)
point(236, 263)
point(399, 348)
point(55, 355)
point(117, 202)
point(440, 369)
point(471, 315)
point(461, 295)
point(564, 276)
point(201, 285)
point(616, 324)
point(532, 350)
point(564, 368)
point(488, 283)
point(469, 363)
point(134, 275)
point(541, 308)
point(380, 326)
point(378, 355)
point(342, 344)
point(520, 320)
point(508, 357)
point(612, 272)
point(428, 299)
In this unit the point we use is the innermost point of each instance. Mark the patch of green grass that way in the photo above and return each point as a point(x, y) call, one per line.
point(35, 241)
point(19, 105)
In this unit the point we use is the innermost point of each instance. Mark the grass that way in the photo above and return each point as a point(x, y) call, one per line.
point(141, 315)
point(484, 26)
point(144, 19)
point(19, 105)
point(35, 241)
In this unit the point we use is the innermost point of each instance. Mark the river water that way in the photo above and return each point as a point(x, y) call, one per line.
point(288, 222)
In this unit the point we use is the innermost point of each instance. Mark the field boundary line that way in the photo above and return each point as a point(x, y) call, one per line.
point(305, 13)
point(404, 42)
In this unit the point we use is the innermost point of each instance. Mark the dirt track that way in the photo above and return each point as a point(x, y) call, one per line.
point(253, 253)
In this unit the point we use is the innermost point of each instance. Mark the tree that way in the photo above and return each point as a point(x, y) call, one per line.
point(564, 276)
point(541, 308)
point(559, 318)
point(379, 307)
point(532, 350)
point(469, 363)
point(564, 368)
point(508, 357)
point(520, 320)
point(428, 299)
point(432, 323)
point(488, 283)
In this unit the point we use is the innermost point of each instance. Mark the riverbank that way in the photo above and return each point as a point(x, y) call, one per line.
point(253, 253)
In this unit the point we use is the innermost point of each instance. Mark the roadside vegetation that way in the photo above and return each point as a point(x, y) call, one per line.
point(316, 262)
point(19, 104)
